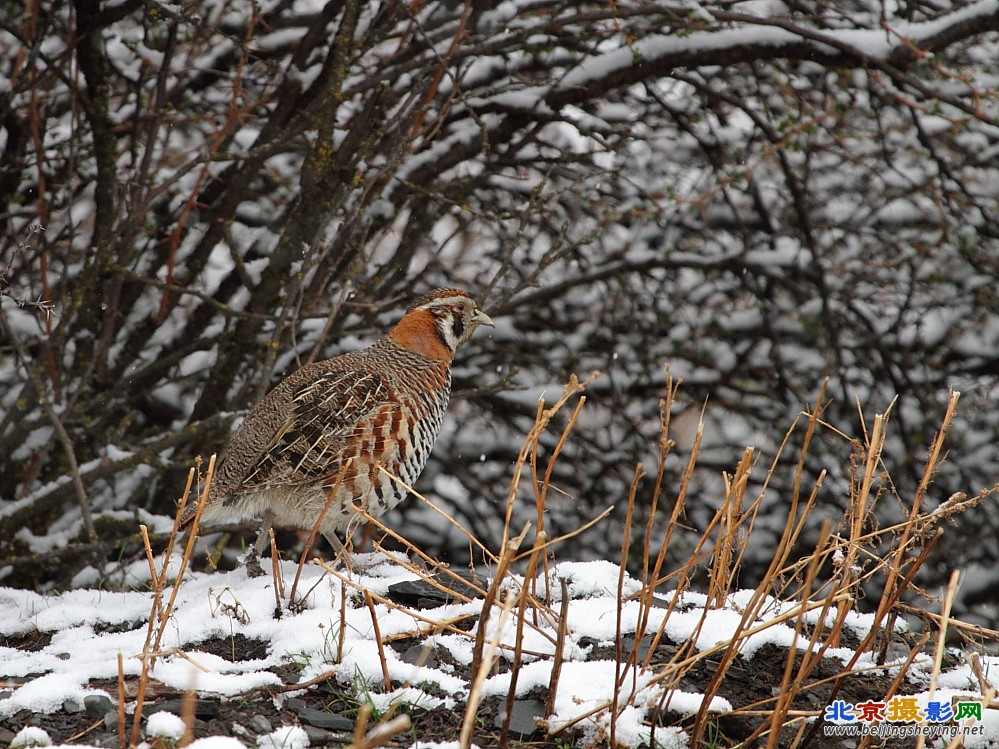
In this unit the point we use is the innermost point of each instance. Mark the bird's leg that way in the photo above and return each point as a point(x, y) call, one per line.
point(253, 568)
point(339, 549)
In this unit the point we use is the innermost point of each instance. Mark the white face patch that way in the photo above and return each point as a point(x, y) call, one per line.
point(453, 317)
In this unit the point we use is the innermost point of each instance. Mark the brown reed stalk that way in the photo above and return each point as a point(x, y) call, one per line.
point(378, 640)
point(363, 715)
point(903, 545)
point(721, 575)
point(187, 710)
point(685, 479)
point(121, 702)
point(315, 529)
point(383, 732)
point(486, 660)
point(410, 612)
point(789, 690)
point(458, 526)
point(542, 418)
point(509, 550)
point(276, 573)
point(915, 651)
point(938, 653)
point(666, 444)
point(622, 567)
point(647, 593)
point(860, 506)
point(563, 633)
point(342, 632)
point(875, 627)
point(541, 488)
point(522, 604)
point(186, 558)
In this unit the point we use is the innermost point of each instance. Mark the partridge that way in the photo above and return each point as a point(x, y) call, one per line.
point(348, 423)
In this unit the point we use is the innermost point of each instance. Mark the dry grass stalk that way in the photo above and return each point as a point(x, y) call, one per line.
point(186, 558)
point(378, 640)
point(507, 555)
point(479, 674)
point(619, 674)
point(727, 575)
point(902, 548)
point(121, 701)
point(381, 734)
point(860, 506)
point(563, 633)
point(938, 653)
point(914, 652)
point(646, 595)
point(159, 613)
point(542, 419)
point(342, 632)
point(446, 626)
point(458, 526)
point(187, 710)
point(666, 444)
point(522, 605)
point(541, 487)
point(685, 480)
point(315, 531)
point(721, 574)
point(276, 574)
point(363, 715)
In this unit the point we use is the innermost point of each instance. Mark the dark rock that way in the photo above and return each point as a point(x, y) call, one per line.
point(97, 705)
point(72, 707)
point(319, 736)
point(6, 736)
point(422, 595)
point(203, 709)
point(259, 724)
point(420, 655)
point(522, 716)
point(319, 718)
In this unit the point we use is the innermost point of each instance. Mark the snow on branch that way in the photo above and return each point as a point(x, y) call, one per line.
point(894, 46)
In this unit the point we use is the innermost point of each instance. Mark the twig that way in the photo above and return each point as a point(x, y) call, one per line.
point(60, 429)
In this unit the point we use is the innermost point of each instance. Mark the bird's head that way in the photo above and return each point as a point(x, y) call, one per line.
point(438, 323)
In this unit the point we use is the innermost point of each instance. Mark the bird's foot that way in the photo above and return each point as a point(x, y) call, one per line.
point(252, 564)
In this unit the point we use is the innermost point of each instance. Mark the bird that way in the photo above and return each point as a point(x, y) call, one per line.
point(346, 425)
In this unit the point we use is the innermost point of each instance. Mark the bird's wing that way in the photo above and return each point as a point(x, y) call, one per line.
point(322, 414)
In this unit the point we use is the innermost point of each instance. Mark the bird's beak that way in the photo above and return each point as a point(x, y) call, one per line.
point(481, 318)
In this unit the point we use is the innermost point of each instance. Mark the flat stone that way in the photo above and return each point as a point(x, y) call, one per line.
point(97, 705)
point(259, 724)
point(422, 595)
point(203, 709)
point(420, 655)
point(319, 718)
point(522, 717)
point(72, 707)
point(319, 736)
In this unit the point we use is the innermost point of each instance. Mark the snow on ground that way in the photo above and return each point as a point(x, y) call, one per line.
point(89, 629)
